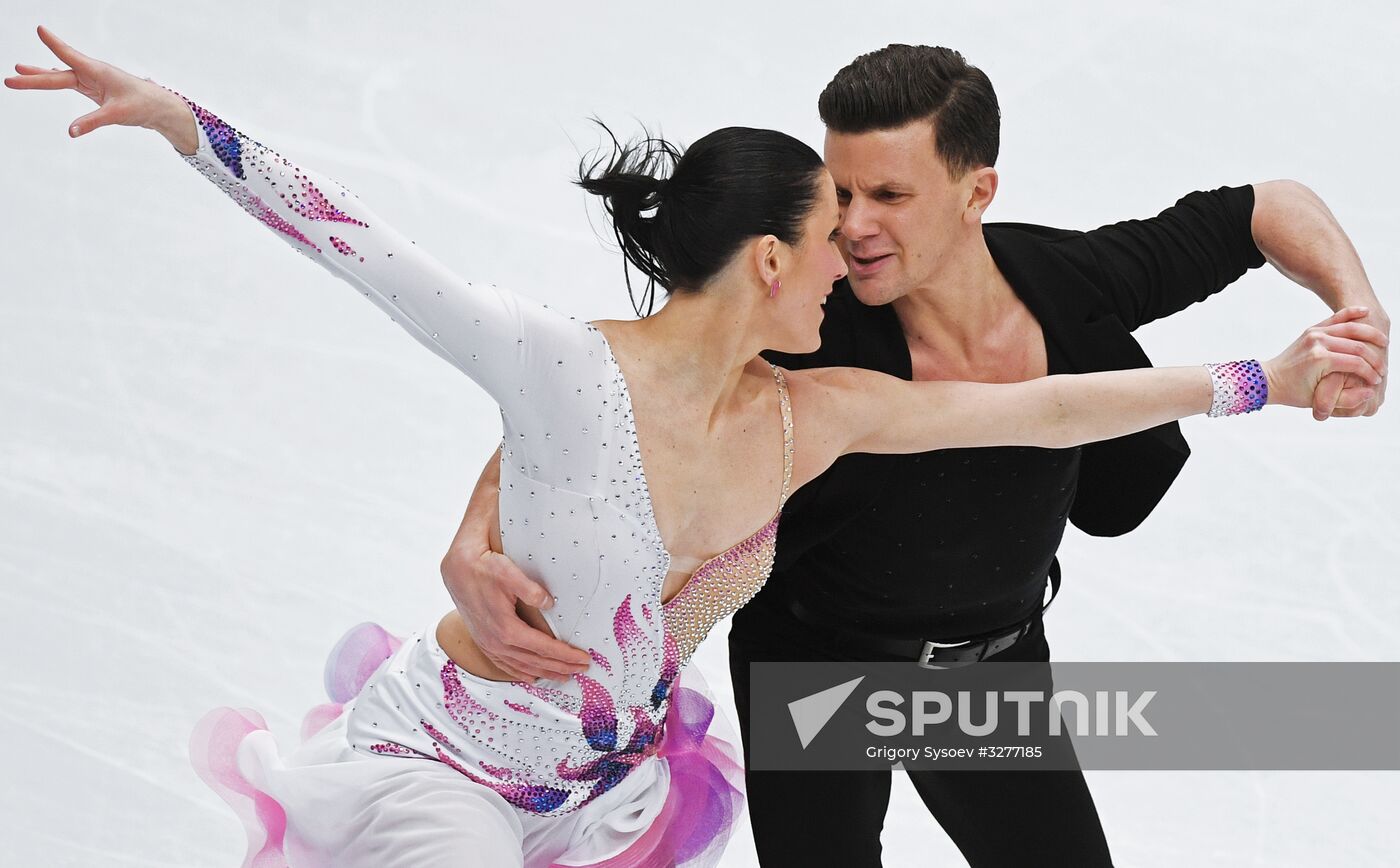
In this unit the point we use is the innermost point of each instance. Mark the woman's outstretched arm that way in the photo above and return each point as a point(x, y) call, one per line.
point(874, 412)
point(496, 337)
point(482, 330)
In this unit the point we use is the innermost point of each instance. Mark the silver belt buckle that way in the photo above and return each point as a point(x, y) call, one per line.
point(925, 656)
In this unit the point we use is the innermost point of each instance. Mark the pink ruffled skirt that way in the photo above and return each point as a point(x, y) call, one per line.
point(327, 804)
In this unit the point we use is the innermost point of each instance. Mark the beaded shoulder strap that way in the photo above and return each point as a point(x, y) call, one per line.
point(786, 406)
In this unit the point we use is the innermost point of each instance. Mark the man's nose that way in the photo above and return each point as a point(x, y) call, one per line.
point(856, 222)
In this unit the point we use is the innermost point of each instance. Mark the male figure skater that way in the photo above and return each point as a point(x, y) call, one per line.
point(884, 553)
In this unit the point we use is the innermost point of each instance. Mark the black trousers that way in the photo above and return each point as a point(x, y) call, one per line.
point(996, 818)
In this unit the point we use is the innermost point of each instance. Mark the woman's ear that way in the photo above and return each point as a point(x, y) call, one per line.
point(768, 258)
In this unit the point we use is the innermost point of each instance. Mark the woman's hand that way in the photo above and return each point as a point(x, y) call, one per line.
point(1339, 343)
point(122, 98)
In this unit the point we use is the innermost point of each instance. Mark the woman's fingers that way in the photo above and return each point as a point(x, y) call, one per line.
point(30, 69)
point(1326, 393)
point(66, 53)
point(1341, 395)
point(103, 116)
point(27, 75)
point(43, 80)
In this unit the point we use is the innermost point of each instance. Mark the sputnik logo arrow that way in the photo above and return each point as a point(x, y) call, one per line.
point(811, 713)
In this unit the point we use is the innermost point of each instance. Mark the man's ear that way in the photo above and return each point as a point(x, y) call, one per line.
point(982, 189)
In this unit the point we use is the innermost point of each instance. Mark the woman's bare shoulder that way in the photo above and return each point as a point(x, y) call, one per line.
point(834, 380)
point(830, 408)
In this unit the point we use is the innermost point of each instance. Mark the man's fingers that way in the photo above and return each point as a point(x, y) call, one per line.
point(518, 666)
point(539, 667)
point(514, 673)
point(525, 589)
point(1362, 401)
point(1362, 409)
point(1370, 352)
point(536, 666)
point(530, 641)
point(523, 669)
point(1346, 314)
point(1359, 399)
point(1354, 365)
point(1359, 331)
point(1353, 399)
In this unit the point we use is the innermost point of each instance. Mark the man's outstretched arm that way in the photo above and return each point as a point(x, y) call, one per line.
point(1298, 235)
point(1156, 267)
point(485, 586)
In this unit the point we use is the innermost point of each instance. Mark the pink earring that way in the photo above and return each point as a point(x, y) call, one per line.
point(774, 287)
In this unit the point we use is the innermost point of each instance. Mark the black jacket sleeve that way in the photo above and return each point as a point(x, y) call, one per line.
point(1156, 267)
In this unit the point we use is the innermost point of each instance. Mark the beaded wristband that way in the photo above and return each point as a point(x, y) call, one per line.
point(1240, 387)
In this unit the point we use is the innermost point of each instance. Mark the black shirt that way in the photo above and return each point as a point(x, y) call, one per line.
point(953, 543)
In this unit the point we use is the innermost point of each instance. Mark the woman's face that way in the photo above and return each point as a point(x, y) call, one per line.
point(815, 264)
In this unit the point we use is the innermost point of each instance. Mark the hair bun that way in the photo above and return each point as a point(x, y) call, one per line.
point(746, 183)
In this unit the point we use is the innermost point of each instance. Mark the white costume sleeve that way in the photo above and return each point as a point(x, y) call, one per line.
point(501, 340)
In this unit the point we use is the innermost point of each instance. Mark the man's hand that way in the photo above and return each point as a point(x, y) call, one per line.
point(1348, 395)
point(1299, 235)
point(485, 586)
point(1338, 344)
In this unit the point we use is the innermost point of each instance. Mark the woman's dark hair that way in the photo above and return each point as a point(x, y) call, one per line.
point(734, 184)
point(903, 83)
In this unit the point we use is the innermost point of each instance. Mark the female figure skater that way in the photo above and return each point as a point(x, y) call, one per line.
point(634, 454)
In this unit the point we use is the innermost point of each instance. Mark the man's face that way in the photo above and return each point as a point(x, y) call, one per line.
point(901, 213)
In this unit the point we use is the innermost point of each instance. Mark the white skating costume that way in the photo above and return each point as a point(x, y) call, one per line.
point(417, 761)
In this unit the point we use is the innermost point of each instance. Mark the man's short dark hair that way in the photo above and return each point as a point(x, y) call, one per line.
point(900, 84)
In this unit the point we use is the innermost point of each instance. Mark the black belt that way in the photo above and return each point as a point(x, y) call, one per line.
point(927, 651)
